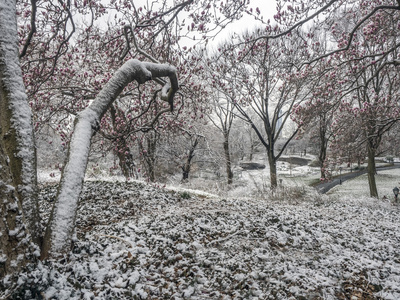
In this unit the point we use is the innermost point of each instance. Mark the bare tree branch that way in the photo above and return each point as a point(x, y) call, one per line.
point(352, 33)
point(32, 31)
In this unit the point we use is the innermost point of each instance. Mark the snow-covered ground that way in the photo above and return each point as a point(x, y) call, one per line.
point(137, 241)
point(201, 240)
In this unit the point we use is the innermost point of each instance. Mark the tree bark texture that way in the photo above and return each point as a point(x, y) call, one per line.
point(272, 160)
point(14, 238)
point(18, 205)
point(373, 191)
point(150, 155)
point(272, 171)
point(61, 225)
point(16, 130)
point(323, 147)
point(229, 172)
point(188, 163)
point(125, 158)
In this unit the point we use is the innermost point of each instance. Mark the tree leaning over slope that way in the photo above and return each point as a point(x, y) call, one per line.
point(17, 140)
point(46, 37)
point(24, 146)
point(61, 226)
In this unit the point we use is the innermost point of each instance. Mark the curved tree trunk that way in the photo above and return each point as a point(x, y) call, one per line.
point(61, 225)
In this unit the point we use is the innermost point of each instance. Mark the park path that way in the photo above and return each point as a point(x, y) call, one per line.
point(324, 187)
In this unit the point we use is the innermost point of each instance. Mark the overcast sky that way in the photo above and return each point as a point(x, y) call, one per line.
point(267, 8)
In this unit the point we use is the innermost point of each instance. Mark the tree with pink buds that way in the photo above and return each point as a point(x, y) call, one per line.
point(260, 82)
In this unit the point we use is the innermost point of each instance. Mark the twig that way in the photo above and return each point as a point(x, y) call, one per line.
point(225, 238)
point(115, 237)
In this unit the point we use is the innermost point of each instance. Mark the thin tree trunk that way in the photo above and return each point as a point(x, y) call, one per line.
point(127, 164)
point(125, 157)
point(151, 158)
point(322, 156)
point(229, 172)
point(373, 191)
point(186, 169)
point(251, 151)
point(149, 155)
point(188, 163)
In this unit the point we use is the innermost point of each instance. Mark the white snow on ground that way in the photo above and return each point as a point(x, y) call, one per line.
point(135, 240)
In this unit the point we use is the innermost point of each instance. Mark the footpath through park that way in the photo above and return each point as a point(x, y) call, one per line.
point(324, 187)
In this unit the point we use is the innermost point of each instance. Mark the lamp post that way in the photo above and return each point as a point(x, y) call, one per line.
point(396, 193)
